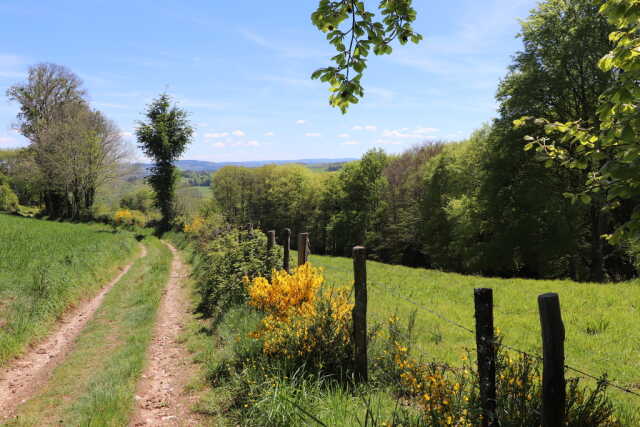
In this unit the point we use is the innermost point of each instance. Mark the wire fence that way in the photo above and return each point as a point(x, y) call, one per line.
point(430, 310)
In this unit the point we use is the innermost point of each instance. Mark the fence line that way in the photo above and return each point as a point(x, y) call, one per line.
point(423, 307)
point(507, 346)
point(496, 342)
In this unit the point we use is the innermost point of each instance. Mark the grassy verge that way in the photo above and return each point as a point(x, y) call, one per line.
point(95, 385)
point(47, 266)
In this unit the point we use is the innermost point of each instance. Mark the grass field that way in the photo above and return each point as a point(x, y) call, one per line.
point(96, 383)
point(600, 319)
point(47, 266)
point(200, 192)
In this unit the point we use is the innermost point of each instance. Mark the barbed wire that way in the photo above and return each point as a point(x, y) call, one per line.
point(424, 307)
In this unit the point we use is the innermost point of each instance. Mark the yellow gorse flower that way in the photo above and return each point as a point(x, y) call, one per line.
point(195, 226)
point(291, 303)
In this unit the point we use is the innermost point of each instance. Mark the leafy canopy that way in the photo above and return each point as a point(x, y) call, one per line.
point(355, 31)
point(614, 145)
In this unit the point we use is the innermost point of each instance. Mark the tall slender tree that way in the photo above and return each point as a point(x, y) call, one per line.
point(163, 138)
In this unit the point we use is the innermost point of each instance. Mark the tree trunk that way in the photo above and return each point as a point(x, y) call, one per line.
point(597, 257)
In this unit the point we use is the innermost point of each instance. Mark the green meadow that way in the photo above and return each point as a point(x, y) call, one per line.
point(45, 267)
point(599, 319)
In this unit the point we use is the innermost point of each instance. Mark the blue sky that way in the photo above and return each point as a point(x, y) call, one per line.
point(241, 68)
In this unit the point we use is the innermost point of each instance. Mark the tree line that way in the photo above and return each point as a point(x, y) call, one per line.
point(484, 205)
point(73, 148)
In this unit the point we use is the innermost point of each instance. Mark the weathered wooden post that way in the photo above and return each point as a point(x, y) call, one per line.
point(553, 381)
point(286, 244)
point(250, 230)
point(486, 349)
point(271, 240)
point(359, 313)
point(303, 248)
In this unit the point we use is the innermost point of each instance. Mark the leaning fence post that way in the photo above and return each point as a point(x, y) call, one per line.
point(271, 240)
point(553, 381)
point(485, 345)
point(286, 259)
point(359, 313)
point(303, 251)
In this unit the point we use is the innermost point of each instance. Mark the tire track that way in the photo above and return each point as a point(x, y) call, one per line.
point(161, 398)
point(26, 375)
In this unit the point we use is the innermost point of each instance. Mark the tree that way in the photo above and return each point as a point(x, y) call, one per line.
point(163, 138)
point(610, 148)
point(78, 155)
point(75, 148)
point(49, 87)
point(556, 77)
point(357, 199)
point(361, 34)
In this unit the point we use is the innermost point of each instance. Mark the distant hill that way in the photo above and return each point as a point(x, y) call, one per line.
point(203, 166)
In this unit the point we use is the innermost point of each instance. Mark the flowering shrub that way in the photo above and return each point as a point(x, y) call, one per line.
point(129, 218)
point(303, 325)
point(287, 294)
point(195, 226)
point(444, 395)
point(223, 260)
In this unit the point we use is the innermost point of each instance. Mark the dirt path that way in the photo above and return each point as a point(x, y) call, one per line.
point(161, 399)
point(26, 375)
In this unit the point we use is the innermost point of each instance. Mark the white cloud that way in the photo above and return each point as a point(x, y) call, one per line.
point(7, 141)
point(219, 145)
point(312, 134)
point(351, 142)
point(216, 135)
point(368, 128)
point(301, 122)
point(343, 135)
point(269, 134)
point(253, 143)
point(126, 134)
point(406, 133)
point(238, 133)
point(388, 142)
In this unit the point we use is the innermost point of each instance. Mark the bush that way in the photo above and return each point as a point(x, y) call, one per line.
point(8, 199)
point(129, 219)
point(439, 394)
point(304, 327)
point(222, 264)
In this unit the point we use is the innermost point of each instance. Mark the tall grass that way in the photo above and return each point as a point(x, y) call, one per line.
point(47, 266)
point(95, 385)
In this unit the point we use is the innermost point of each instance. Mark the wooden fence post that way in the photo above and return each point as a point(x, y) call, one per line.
point(303, 244)
point(286, 259)
point(359, 313)
point(486, 349)
point(250, 230)
point(553, 381)
point(271, 240)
